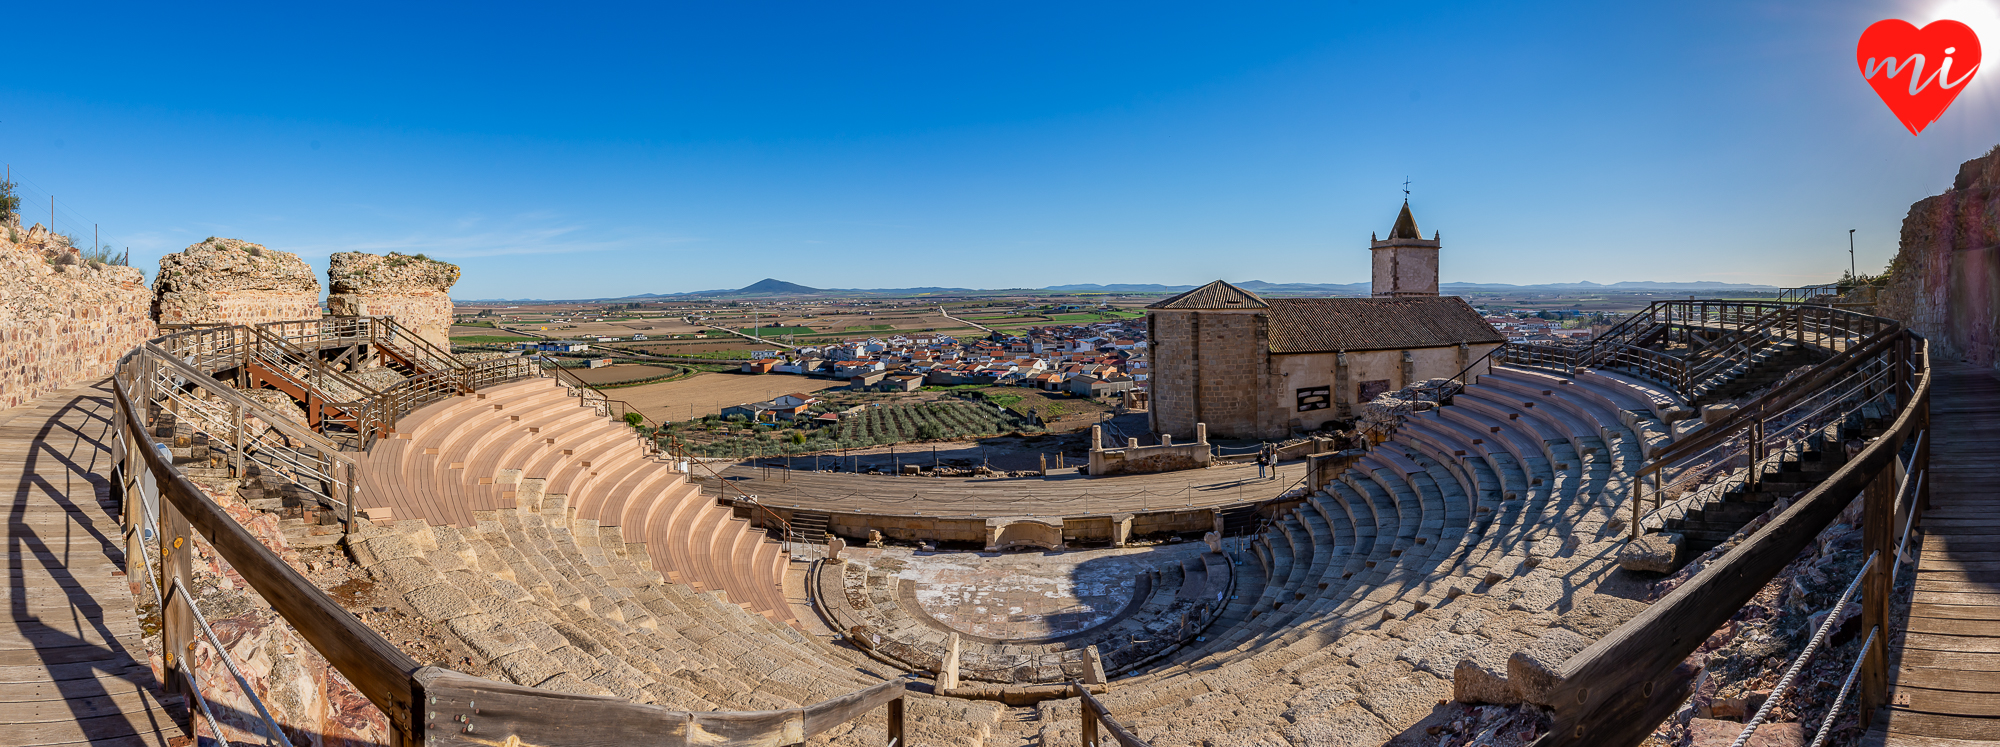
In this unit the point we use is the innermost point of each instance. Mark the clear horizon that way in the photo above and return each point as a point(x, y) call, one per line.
point(617, 151)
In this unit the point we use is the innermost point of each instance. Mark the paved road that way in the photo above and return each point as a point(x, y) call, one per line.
point(1066, 494)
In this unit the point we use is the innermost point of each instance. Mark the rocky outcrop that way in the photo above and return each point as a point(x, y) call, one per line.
point(413, 289)
point(234, 281)
point(1945, 281)
point(63, 319)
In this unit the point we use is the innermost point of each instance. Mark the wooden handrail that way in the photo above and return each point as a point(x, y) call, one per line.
point(1772, 401)
point(1095, 715)
point(231, 396)
point(1616, 691)
point(466, 711)
point(371, 663)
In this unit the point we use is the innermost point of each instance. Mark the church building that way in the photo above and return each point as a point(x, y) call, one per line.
point(1252, 367)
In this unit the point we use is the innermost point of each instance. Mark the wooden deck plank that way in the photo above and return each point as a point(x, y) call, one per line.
point(66, 672)
point(1947, 685)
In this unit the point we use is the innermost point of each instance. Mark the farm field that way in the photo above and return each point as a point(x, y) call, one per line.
point(708, 393)
point(874, 426)
point(623, 372)
point(460, 330)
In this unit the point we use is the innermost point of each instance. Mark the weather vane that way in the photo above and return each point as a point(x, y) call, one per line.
point(1406, 189)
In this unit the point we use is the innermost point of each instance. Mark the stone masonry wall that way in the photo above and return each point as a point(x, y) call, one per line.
point(1172, 383)
point(1210, 367)
point(63, 320)
point(1946, 276)
point(234, 281)
point(1233, 375)
point(413, 289)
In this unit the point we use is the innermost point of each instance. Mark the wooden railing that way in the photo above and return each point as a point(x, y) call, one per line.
point(1616, 692)
point(425, 706)
point(1096, 718)
point(1825, 393)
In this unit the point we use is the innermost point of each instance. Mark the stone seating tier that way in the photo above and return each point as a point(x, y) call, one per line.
point(1449, 546)
point(471, 454)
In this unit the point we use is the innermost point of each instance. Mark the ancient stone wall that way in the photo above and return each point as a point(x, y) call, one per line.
point(413, 289)
point(1945, 281)
point(236, 282)
point(64, 321)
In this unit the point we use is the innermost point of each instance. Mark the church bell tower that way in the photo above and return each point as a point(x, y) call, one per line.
point(1406, 264)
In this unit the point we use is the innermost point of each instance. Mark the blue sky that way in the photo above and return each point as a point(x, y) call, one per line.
point(570, 151)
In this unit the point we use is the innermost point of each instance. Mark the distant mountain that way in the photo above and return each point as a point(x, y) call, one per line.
point(773, 287)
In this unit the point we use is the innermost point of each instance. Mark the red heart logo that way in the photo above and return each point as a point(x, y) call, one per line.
point(1918, 71)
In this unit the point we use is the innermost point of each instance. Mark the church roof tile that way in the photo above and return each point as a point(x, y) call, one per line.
point(1216, 295)
point(1317, 325)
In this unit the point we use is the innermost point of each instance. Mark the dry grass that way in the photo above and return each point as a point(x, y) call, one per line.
point(620, 373)
point(707, 394)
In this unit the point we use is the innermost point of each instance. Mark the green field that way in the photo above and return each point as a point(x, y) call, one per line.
point(1088, 318)
point(869, 328)
point(761, 331)
point(488, 339)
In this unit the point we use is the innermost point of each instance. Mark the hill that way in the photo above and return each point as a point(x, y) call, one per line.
point(769, 286)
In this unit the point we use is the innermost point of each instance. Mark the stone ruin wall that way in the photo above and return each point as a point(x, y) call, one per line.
point(64, 321)
point(234, 282)
point(413, 289)
point(1945, 281)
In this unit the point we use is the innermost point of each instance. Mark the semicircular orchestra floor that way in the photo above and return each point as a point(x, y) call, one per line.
point(1023, 617)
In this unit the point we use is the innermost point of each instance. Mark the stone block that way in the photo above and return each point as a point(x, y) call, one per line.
point(1713, 414)
point(1482, 680)
point(1651, 553)
point(1534, 671)
point(440, 602)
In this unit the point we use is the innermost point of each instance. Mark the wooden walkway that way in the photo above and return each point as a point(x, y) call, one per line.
point(1946, 668)
point(66, 674)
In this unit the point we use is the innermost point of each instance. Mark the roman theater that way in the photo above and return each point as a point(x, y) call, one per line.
point(248, 512)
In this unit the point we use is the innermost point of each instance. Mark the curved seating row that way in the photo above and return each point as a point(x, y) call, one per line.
point(529, 440)
point(1463, 533)
point(1473, 530)
point(573, 612)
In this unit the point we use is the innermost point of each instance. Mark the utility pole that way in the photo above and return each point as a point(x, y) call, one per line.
point(1850, 255)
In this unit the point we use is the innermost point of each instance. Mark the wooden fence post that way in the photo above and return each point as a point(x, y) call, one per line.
point(1877, 539)
point(1089, 719)
point(896, 723)
point(176, 571)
